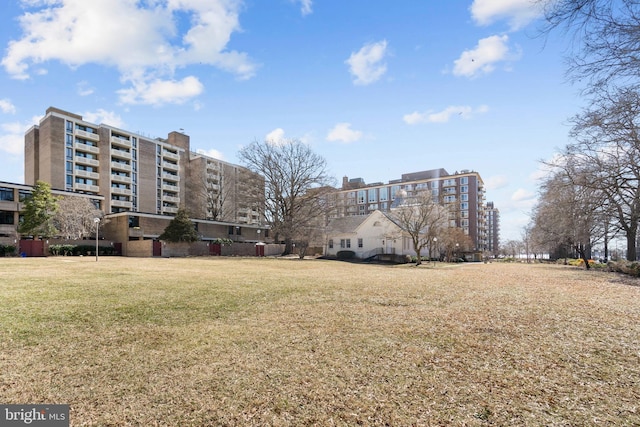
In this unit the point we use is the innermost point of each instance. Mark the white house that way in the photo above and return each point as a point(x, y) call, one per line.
point(367, 235)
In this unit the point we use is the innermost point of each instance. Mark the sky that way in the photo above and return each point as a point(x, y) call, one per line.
point(378, 88)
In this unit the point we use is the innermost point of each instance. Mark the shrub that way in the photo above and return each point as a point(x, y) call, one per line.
point(632, 268)
point(346, 255)
point(7, 250)
point(79, 250)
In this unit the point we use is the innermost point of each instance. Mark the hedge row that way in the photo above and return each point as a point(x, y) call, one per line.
point(78, 250)
point(632, 268)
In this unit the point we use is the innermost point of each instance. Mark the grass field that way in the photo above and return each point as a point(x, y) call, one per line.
point(216, 341)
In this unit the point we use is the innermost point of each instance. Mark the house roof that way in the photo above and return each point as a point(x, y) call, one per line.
point(347, 224)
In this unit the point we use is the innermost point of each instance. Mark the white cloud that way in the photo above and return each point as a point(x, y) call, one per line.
point(366, 65)
point(12, 136)
point(518, 13)
point(84, 88)
point(141, 39)
point(103, 116)
point(342, 132)
point(463, 111)
point(522, 195)
point(7, 107)
point(211, 153)
point(275, 136)
point(158, 92)
point(484, 57)
point(305, 6)
point(496, 182)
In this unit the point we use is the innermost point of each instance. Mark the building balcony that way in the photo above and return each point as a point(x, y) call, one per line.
point(170, 155)
point(86, 161)
point(121, 204)
point(120, 142)
point(87, 174)
point(118, 190)
point(169, 209)
point(170, 199)
point(86, 187)
point(120, 178)
point(171, 177)
point(87, 148)
point(136, 232)
point(88, 135)
point(121, 154)
point(120, 166)
point(169, 187)
point(170, 166)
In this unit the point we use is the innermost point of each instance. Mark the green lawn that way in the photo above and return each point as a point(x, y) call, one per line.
point(238, 341)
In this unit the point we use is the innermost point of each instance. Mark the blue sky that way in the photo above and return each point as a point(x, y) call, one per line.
point(378, 88)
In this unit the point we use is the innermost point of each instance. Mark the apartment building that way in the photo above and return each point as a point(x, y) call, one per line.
point(11, 206)
point(136, 173)
point(462, 192)
point(493, 228)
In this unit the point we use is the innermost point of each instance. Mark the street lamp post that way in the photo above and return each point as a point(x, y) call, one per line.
point(435, 243)
point(97, 222)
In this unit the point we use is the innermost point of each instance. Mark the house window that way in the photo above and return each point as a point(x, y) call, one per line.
point(343, 244)
point(360, 242)
point(330, 243)
point(348, 243)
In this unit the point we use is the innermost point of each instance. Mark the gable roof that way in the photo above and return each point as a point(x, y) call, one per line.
point(347, 224)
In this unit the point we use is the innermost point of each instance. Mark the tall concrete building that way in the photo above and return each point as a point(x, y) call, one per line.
point(493, 229)
point(136, 173)
point(462, 192)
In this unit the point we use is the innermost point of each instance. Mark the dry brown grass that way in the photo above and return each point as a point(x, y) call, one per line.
point(214, 341)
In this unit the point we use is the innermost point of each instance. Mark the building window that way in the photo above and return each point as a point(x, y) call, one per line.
point(6, 217)
point(134, 221)
point(360, 243)
point(343, 243)
point(464, 197)
point(373, 197)
point(69, 126)
point(330, 243)
point(384, 194)
point(361, 194)
point(464, 180)
point(394, 191)
point(464, 206)
point(348, 243)
point(464, 189)
point(6, 194)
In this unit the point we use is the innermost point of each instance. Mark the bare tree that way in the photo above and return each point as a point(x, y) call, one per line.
point(569, 213)
point(606, 36)
point(455, 242)
point(74, 218)
point(422, 218)
point(605, 157)
point(296, 179)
